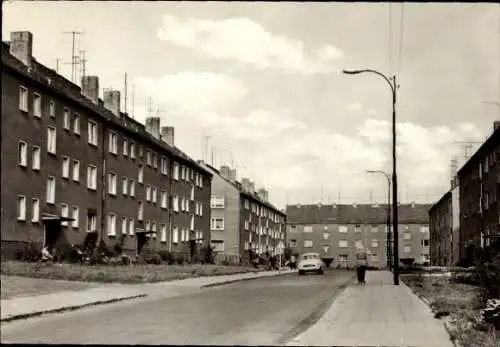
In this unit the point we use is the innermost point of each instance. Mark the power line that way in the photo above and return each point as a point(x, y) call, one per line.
point(401, 32)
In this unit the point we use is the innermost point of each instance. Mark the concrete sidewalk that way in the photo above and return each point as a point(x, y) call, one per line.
point(24, 307)
point(376, 314)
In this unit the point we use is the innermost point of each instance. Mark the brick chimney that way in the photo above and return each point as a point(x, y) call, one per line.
point(153, 126)
point(168, 135)
point(245, 183)
point(224, 171)
point(251, 186)
point(232, 175)
point(262, 193)
point(90, 88)
point(496, 125)
point(21, 46)
point(112, 101)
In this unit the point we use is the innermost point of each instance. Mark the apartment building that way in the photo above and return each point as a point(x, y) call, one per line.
point(479, 185)
point(74, 164)
point(343, 233)
point(243, 219)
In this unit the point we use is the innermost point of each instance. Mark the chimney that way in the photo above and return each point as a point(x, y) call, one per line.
point(153, 126)
point(168, 135)
point(245, 183)
point(90, 88)
point(224, 171)
point(21, 46)
point(251, 187)
point(112, 101)
point(496, 125)
point(232, 175)
point(262, 193)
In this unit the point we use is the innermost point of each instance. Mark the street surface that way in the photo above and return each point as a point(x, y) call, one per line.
point(266, 311)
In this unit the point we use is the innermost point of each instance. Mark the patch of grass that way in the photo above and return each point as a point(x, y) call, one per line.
point(460, 304)
point(142, 273)
point(16, 286)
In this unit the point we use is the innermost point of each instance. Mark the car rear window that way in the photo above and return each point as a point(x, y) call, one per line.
point(310, 256)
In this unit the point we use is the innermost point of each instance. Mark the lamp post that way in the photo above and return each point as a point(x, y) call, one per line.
point(392, 84)
point(389, 246)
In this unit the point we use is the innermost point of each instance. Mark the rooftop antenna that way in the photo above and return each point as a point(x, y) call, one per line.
point(207, 139)
point(125, 93)
point(133, 100)
point(371, 196)
point(57, 64)
point(74, 58)
point(158, 110)
point(83, 62)
point(321, 193)
point(150, 107)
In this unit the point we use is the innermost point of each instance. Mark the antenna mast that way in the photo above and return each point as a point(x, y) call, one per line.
point(74, 58)
point(133, 100)
point(125, 92)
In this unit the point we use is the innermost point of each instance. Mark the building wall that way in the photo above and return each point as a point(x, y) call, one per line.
point(441, 231)
point(455, 225)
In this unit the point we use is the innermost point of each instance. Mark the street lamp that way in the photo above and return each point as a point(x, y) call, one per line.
point(387, 176)
point(394, 87)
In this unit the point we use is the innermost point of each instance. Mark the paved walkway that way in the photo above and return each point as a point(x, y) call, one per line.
point(376, 314)
point(21, 307)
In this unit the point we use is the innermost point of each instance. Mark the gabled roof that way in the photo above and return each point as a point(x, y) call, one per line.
point(445, 197)
point(359, 214)
point(493, 140)
point(49, 79)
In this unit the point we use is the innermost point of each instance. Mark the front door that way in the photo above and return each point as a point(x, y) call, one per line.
point(52, 232)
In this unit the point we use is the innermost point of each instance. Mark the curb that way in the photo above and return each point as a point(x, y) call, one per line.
point(240, 280)
point(69, 308)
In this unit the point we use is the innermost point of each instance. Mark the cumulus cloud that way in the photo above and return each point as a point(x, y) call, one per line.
point(247, 41)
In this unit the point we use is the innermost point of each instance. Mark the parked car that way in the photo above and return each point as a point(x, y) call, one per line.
point(311, 262)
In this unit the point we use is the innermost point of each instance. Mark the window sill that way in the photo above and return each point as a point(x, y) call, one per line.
point(39, 116)
point(23, 220)
point(111, 235)
point(52, 153)
point(93, 144)
point(92, 189)
point(51, 203)
point(36, 169)
point(23, 110)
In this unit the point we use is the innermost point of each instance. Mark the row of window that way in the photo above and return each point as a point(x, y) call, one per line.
point(262, 230)
point(357, 228)
point(263, 211)
point(260, 248)
point(345, 244)
point(266, 239)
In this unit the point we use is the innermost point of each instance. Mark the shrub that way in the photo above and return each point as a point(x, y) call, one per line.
point(31, 252)
point(208, 254)
point(167, 257)
point(180, 259)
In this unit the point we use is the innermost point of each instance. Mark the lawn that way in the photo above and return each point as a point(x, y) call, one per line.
point(460, 305)
point(117, 273)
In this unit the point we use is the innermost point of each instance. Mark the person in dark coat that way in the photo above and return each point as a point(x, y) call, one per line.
point(361, 272)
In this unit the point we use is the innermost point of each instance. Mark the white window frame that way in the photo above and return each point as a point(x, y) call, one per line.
point(175, 203)
point(374, 229)
point(50, 199)
point(308, 229)
point(140, 210)
point(51, 139)
point(65, 166)
point(131, 188)
point(113, 142)
point(343, 229)
point(35, 210)
point(76, 170)
point(213, 222)
point(37, 105)
point(153, 195)
point(148, 193)
point(407, 249)
point(124, 185)
point(175, 234)
point(405, 237)
point(164, 199)
point(125, 147)
point(132, 150)
point(343, 244)
point(375, 243)
point(326, 235)
point(66, 119)
point(148, 157)
point(131, 226)
point(92, 177)
point(76, 123)
point(23, 98)
point(217, 201)
point(22, 153)
point(308, 243)
point(163, 231)
point(75, 214)
point(140, 174)
point(191, 224)
point(92, 133)
point(21, 208)
point(36, 157)
point(91, 222)
point(64, 213)
point(124, 225)
point(112, 178)
point(52, 109)
point(175, 169)
point(192, 193)
point(155, 161)
point(164, 166)
point(111, 224)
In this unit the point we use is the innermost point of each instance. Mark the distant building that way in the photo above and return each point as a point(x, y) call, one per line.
point(74, 164)
point(243, 219)
point(479, 181)
point(340, 233)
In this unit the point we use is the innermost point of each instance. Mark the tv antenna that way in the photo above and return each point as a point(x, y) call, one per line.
point(74, 57)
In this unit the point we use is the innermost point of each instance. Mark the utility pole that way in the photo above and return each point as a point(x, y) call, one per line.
point(73, 56)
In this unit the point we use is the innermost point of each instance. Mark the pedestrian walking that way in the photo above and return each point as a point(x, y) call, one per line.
point(361, 272)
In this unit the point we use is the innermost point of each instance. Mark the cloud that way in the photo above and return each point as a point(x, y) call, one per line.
point(247, 41)
point(354, 107)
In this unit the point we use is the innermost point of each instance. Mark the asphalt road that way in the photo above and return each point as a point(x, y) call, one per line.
point(266, 311)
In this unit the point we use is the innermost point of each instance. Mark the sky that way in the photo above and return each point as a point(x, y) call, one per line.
point(263, 83)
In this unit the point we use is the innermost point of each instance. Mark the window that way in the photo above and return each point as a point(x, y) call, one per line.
point(112, 183)
point(192, 193)
point(217, 224)
point(374, 229)
point(175, 203)
point(343, 258)
point(21, 207)
point(201, 209)
point(358, 244)
point(132, 150)
point(163, 230)
point(65, 167)
point(113, 143)
point(52, 109)
point(343, 243)
point(217, 201)
point(175, 171)
point(140, 175)
point(164, 199)
point(148, 158)
point(183, 173)
point(36, 158)
point(131, 189)
point(308, 243)
point(424, 229)
point(23, 99)
point(326, 236)
point(153, 195)
point(111, 224)
point(75, 214)
point(92, 133)
point(131, 226)
point(124, 185)
point(66, 119)
point(407, 249)
point(140, 211)
point(293, 243)
point(51, 140)
point(164, 166)
point(192, 222)
point(342, 228)
point(375, 257)
point(124, 225)
point(247, 224)
point(326, 249)
point(22, 153)
point(51, 190)
point(148, 193)
point(125, 147)
point(175, 234)
point(92, 177)
point(247, 204)
point(140, 151)
point(374, 243)
point(424, 243)
point(91, 222)
point(64, 213)
point(406, 236)
point(308, 229)
point(155, 161)
point(37, 105)
point(35, 211)
point(183, 204)
point(76, 124)
point(357, 228)
point(76, 170)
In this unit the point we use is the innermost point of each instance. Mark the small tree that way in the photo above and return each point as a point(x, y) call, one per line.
point(208, 254)
point(288, 253)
